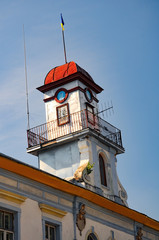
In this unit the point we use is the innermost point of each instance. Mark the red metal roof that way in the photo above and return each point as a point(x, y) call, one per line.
point(63, 71)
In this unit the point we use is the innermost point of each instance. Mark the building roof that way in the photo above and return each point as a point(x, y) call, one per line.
point(40, 176)
point(67, 73)
point(63, 71)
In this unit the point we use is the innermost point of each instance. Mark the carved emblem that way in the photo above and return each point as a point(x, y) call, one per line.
point(139, 234)
point(80, 219)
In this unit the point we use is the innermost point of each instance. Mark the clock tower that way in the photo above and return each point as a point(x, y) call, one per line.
point(75, 143)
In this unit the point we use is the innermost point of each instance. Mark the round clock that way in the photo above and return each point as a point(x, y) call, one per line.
point(61, 95)
point(88, 94)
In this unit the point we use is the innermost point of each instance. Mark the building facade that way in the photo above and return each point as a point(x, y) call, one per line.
point(75, 193)
point(37, 205)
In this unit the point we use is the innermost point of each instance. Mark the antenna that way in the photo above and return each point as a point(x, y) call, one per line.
point(109, 108)
point(102, 110)
point(26, 82)
point(106, 109)
point(112, 107)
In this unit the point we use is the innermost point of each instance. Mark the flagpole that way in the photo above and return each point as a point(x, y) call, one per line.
point(63, 37)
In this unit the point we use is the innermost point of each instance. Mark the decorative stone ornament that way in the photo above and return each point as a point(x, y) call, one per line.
point(139, 234)
point(85, 176)
point(83, 171)
point(80, 219)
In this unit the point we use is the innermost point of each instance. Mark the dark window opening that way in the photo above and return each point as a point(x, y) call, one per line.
point(90, 113)
point(102, 171)
point(50, 232)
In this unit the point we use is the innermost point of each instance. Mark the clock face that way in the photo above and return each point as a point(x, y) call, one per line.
point(88, 94)
point(61, 95)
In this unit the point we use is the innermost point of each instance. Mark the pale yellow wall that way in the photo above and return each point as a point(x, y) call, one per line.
point(102, 231)
point(67, 226)
point(149, 236)
point(31, 221)
point(108, 217)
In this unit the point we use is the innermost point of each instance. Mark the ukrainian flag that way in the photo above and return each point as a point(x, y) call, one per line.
point(62, 23)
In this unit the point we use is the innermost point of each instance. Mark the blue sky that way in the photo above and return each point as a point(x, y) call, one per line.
point(117, 42)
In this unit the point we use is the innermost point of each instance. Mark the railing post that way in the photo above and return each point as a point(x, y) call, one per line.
point(28, 138)
point(120, 139)
point(86, 118)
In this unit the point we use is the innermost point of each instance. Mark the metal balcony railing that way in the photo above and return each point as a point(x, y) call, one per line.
point(71, 124)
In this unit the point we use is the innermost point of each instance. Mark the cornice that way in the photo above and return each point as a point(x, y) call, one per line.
point(69, 91)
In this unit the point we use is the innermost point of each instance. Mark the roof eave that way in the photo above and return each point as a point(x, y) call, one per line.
point(76, 76)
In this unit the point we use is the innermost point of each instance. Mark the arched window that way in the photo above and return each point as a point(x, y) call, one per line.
point(91, 236)
point(102, 171)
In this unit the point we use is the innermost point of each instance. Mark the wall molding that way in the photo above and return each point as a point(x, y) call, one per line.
point(51, 210)
point(68, 91)
point(12, 196)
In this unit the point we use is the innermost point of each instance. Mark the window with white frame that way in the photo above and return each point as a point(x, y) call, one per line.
point(6, 225)
point(50, 232)
point(52, 229)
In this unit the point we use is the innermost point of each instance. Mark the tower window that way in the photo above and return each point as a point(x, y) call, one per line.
point(90, 113)
point(102, 171)
point(63, 114)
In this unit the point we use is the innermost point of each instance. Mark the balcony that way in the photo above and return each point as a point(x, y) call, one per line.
point(74, 123)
